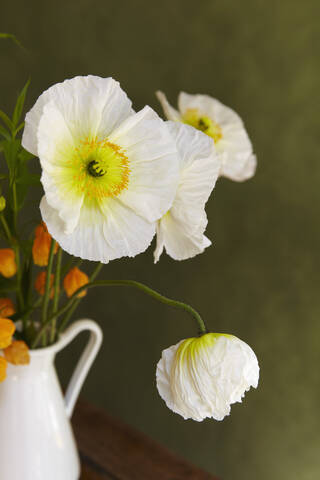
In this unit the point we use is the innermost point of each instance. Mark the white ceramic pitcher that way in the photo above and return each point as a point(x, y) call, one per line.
point(36, 440)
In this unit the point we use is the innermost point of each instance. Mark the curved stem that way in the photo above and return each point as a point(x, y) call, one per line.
point(19, 292)
point(126, 283)
point(5, 227)
point(15, 206)
point(47, 289)
point(56, 294)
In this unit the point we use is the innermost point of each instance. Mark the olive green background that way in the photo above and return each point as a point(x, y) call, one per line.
point(260, 279)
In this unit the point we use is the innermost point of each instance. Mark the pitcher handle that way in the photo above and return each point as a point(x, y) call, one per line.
point(85, 361)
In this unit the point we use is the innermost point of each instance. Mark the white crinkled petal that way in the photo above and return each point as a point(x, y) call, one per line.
point(153, 163)
point(238, 161)
point(163, 374)
point(199, 164)
point(126, 232)
point(235, 148)
point(86, 241)
point(104, 234)
point(238, 166)
point(249, 169)
point(179, 241)
point(181, 230)
point(159, 242)
point(207, 383)
point(54, 145)
point(170, 112)
point(90, 105)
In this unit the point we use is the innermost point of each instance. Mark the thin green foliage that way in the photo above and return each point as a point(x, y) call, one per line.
point(13, 38)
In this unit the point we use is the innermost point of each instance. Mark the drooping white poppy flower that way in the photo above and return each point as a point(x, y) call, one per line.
point(201, 377)
point(181, 230)
point(108, 173)
point(223, 125)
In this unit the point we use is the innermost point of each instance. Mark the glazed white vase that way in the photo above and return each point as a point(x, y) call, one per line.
point(36, 440)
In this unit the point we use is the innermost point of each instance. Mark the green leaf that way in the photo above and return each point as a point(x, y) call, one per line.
point(25, 156)
point(12, 37)
point(5, 133)
point(24, 180)
point(11, 149)
point(20, 104)
point(6, 120)
point(29, 179)
point(22, 191)
point(19, 127)
point(9, 215)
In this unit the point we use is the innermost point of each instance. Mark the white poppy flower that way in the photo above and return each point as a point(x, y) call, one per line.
point(201, 377)
point(108, 173)
point(180, 230)
point(223, 125)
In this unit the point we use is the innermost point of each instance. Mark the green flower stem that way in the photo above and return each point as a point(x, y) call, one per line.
point(27, 325)
point(77, 300)
point(70, 265)
point(127, 283)
point(46, 296)
point(96, 272)
point(19, 292)
point(18, 315)
point(69, 314)
point(15, 206)
point(16, 244)
point(5, 227)
point(16, 249)
point(56, 294)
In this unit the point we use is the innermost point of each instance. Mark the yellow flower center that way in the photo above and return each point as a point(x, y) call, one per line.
point(204, 123)
point(98, 169)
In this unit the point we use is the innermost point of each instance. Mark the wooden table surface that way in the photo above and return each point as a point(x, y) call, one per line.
point(110, 449)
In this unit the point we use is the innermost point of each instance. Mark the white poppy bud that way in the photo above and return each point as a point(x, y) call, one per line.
point(201, 377)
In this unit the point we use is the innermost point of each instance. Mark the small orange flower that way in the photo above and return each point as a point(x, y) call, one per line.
point(41, 245)
point(8, 266)
point(7, 329)
point(6, 307)
point(40, 283)
point(75, 279)
point(3, 369)
point(17, 353)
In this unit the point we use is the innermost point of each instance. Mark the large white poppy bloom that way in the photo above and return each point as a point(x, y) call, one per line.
point(108, 173)
point(201, 377)
point(223, 125)
point(181, 230)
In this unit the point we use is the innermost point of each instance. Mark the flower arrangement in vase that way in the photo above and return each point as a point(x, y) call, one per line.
point(112, 178)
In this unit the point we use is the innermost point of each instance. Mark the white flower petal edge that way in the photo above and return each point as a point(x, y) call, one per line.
point(85, 103)
point(181, 230)
point(154, 163)
point(106, 178)
point(201, 377)
point(170, 112)
point(54, 144)
point(221, 123)
point(101, 236)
